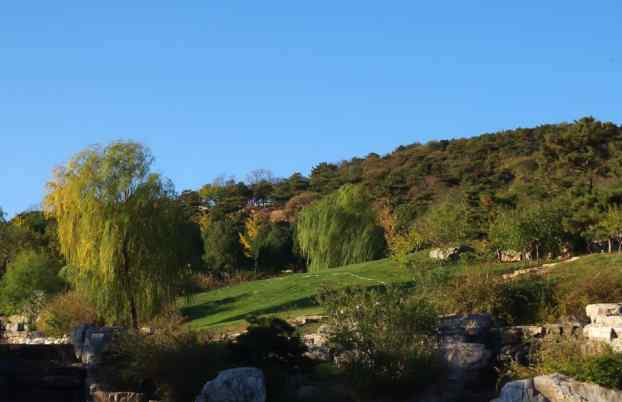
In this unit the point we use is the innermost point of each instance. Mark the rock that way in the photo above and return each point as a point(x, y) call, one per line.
point(559, 388)
point(245, 384)
point(520, 391)
point(102, 396)
point(90, 342)
point(444, 254)
point(510, 256)
point(466, 356)
point(597, 333)
point(556, 388)
point(470, 325)
point(603, 309)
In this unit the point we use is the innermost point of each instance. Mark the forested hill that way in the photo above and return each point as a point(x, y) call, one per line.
point(536, 161)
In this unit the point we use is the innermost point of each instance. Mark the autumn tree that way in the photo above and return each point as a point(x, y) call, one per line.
point(248, 239)
point(121, 229)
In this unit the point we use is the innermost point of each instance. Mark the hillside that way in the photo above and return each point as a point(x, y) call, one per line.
point(294, 295)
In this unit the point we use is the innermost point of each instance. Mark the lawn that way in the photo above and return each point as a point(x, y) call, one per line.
point(293, 295)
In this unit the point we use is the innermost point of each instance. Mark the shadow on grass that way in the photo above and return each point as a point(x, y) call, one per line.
point(302, 303)
point(206, 309)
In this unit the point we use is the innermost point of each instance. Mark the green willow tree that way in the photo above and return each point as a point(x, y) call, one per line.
point(122, 231)
point(341, 228)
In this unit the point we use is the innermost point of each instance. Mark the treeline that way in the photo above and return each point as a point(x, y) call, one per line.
point(535, 192)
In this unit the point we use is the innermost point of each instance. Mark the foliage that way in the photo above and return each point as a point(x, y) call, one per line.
point(479, 290)
point(122, 229)
point(269, 343)
point(30, 279)
point(387, 340)
point(611, 226)
point(340, 229)
point(533, 229)
point(567, 356)
point(221, 242)
point(169, 365)
point(446, 224)
point(401, 243)
point(65, 312)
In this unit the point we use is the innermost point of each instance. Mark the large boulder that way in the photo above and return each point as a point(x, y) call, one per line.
point(90, 341)
point(245, 384)
point(556, 388)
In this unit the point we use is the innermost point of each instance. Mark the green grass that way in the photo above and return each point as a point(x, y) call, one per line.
point(293, 295)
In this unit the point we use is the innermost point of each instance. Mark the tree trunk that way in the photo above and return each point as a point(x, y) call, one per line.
point(130, 294)
point(610, 245)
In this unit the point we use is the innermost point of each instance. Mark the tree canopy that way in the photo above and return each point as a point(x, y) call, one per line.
point(340, 229)
point(121, 229)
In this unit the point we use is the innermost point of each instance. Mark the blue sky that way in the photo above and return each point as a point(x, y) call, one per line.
point(224, 87)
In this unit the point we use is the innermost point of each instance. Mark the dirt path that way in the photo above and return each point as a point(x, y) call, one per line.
point(540, 270)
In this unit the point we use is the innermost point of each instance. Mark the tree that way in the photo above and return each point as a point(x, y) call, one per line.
point(528, 229)
point(248, 238)
point(122, 229)
point(446, 223)
point(611, 225)
point(221, 242)
point(30, 279)
point(340, 229)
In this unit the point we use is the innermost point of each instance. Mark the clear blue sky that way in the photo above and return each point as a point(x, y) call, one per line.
point(228, 86)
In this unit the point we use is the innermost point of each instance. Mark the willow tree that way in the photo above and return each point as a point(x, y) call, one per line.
point(121, 230)
point(340, 229)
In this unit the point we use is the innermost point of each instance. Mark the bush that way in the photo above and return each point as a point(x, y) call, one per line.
point(30, 279)
point(478, 290)
point(270, 343)
point(601, 366)
point(593, 286)
point(64, 313)
point(168, 365)
point(387, 341)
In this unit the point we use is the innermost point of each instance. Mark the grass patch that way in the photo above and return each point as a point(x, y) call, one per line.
point(227, 309)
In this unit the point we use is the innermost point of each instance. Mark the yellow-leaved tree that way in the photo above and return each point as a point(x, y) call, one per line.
point(121, 229)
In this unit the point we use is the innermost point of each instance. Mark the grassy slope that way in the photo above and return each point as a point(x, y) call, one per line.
point(289, 296)
point(294, 295)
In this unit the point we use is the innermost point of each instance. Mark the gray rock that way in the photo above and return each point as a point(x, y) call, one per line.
point(90, 342)
point(520, 391)
point(559, 388)
point(245, 384)
point(466, 356)
point(556, 388)
point(448, 253)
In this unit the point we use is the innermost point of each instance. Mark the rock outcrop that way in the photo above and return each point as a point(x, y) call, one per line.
point(449, 253)
point(245, 384)
point(605, 324)
point(556, 388)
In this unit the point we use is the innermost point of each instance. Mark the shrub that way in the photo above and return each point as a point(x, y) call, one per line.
point(601, 365)
point(168, 365)
point(387, 341)
point(478, 290)
point(274, 346)
point(65, 312)
point(593, 286)
point(28, 282)
point(270, 343)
